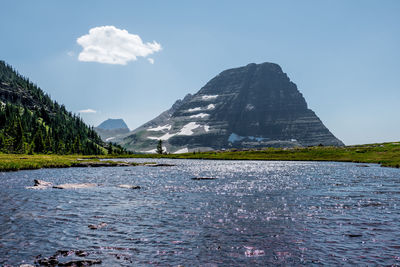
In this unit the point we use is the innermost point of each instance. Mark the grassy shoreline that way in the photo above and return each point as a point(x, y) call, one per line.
point(16, 162)
point(386, 154)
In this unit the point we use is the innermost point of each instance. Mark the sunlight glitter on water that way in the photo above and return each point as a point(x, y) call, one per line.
point(254, 213)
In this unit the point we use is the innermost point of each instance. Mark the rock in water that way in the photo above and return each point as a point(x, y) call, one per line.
point(247, 107)
point(128, 186)
point(98, 226)
point(203, 178)
point(40, 184)
point(74, 186)
point(159, 165)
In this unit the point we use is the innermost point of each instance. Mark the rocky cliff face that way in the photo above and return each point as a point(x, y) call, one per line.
point(247, 107)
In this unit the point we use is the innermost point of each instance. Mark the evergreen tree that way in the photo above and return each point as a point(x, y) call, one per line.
point(48, 142)
point(38, 144)
point(109, 149)
point(61, 148)
point(19, 137)
point(77, 146)
point(2, 142)
point(159, 147)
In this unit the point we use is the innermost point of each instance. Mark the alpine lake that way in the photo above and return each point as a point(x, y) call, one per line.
point(203, 213)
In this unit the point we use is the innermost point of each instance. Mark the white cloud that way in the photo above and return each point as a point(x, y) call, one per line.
point(89, 110)
point(151, 60)
point(108, 44)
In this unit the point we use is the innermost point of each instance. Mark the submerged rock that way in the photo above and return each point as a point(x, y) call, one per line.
point(54, 261)
point(253, 252)
point(98, 226)
point(50, 261)
point(81, 253)
point(354, 235)
point(40, 184)
point(128, 186)
point(159, 165)
point(63, 253)
point(204, 178)
point(77, 263)
point(74, 186)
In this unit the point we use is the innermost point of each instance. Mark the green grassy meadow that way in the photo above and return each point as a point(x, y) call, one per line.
point(15, 162)
point(386, 154)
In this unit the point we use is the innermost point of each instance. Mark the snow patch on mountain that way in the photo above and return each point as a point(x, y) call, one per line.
point(160, 128)
point(182, 150)
point(188, 128)
point(200, 115)
point(250, 107)
point(209, 97)
point(211, 106)
point(163, 138)
point(194, 109)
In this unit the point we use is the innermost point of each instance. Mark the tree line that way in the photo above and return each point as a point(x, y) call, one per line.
point(30, 122)
point(26, 131)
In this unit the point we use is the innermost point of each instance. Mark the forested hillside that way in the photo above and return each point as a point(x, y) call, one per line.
point(30, 122)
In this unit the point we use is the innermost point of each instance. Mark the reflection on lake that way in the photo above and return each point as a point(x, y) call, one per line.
point(254, 213)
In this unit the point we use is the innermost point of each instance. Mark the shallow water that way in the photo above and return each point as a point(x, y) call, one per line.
point(255, 213)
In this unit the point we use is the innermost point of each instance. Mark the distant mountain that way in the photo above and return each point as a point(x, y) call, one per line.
point(111, 124)
point(248, 107)
point(111, 129)
point(30, 121)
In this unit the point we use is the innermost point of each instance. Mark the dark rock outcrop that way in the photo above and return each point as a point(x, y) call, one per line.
point(248, 107)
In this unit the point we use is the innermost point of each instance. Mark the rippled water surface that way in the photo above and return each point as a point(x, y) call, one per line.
point(255, 213)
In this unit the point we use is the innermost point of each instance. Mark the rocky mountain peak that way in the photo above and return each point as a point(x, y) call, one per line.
point(112, 129)
point(110, 124)
point(247, 107)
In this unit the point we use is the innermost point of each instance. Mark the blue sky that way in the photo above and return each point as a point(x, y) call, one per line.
point(344, 56)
